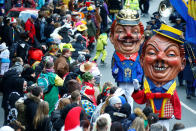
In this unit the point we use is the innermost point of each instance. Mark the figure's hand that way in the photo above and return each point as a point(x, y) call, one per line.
point(172, 117)
point(116, 71)
point(136, 84)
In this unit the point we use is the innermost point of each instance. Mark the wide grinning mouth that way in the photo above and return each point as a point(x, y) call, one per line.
point(160, 67)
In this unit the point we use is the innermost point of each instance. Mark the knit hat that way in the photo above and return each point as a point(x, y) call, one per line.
point(33, 17)
point(72, 120)
point(13, 20)
point(114, 100)
point(87, 76)
point(3, 46)
point(123, 100)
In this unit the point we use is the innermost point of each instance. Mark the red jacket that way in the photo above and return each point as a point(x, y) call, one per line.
point(30, 28)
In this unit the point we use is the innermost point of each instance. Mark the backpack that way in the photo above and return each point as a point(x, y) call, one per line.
point(44, 83)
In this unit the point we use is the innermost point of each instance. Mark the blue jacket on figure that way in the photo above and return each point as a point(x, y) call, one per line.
point(124, 70)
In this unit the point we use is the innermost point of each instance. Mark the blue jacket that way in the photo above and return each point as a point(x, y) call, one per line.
point(127, 69)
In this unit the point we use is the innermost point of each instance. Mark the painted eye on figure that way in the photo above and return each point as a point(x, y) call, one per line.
point(135, 31)
point(171, 54)
point(151, 52)
point(119, 31)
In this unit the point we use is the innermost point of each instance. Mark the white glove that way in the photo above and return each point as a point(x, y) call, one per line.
point(172, 117)
point(116, 71)
point(136, 84)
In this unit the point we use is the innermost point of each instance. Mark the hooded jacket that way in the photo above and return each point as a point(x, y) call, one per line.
point(31, 104)
point(11, 82)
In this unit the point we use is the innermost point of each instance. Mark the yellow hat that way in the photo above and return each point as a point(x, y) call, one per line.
point(170, 32)
point(90, 8)
point(82, 27)
point(69, 46)
point(84, 22)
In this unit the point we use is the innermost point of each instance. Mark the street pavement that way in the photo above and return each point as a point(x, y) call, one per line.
point(188, 105)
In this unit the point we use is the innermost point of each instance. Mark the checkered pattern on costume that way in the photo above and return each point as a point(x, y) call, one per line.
point(88, 107)
point(168, 109)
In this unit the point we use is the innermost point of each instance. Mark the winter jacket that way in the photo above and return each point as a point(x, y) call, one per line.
point(11, 82)
point(91, 28)
point(6, 35)
point(31, 104)
point(13, 112)
point(30, 28)
point(52, 96)
point(17, 67)
point(44, 125)
point(61, 66)
point(49, 28)
point(78, 46)
point(22, 50)
point(115, 114)
point(4, 56)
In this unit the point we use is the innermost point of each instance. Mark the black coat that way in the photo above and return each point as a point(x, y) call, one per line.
point(22, 50)
point(11, 82)
point(78, 46)
point(111, 111)
point(49, 28)
point(7, 35)
point(44, 125)
point(187, 72)
point(31, 104)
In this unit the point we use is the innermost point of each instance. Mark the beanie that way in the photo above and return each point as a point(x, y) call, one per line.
point(33, 17)
point(114, 100)
point(123, 100)
point(87, 76)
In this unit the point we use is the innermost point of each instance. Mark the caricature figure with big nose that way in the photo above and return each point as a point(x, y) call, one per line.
point(127, 36)
point(162, 59)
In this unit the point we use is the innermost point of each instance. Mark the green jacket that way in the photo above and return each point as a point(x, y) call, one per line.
point(91, 28)
point(53, 96)
point(102, 42)
point(131, 4)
